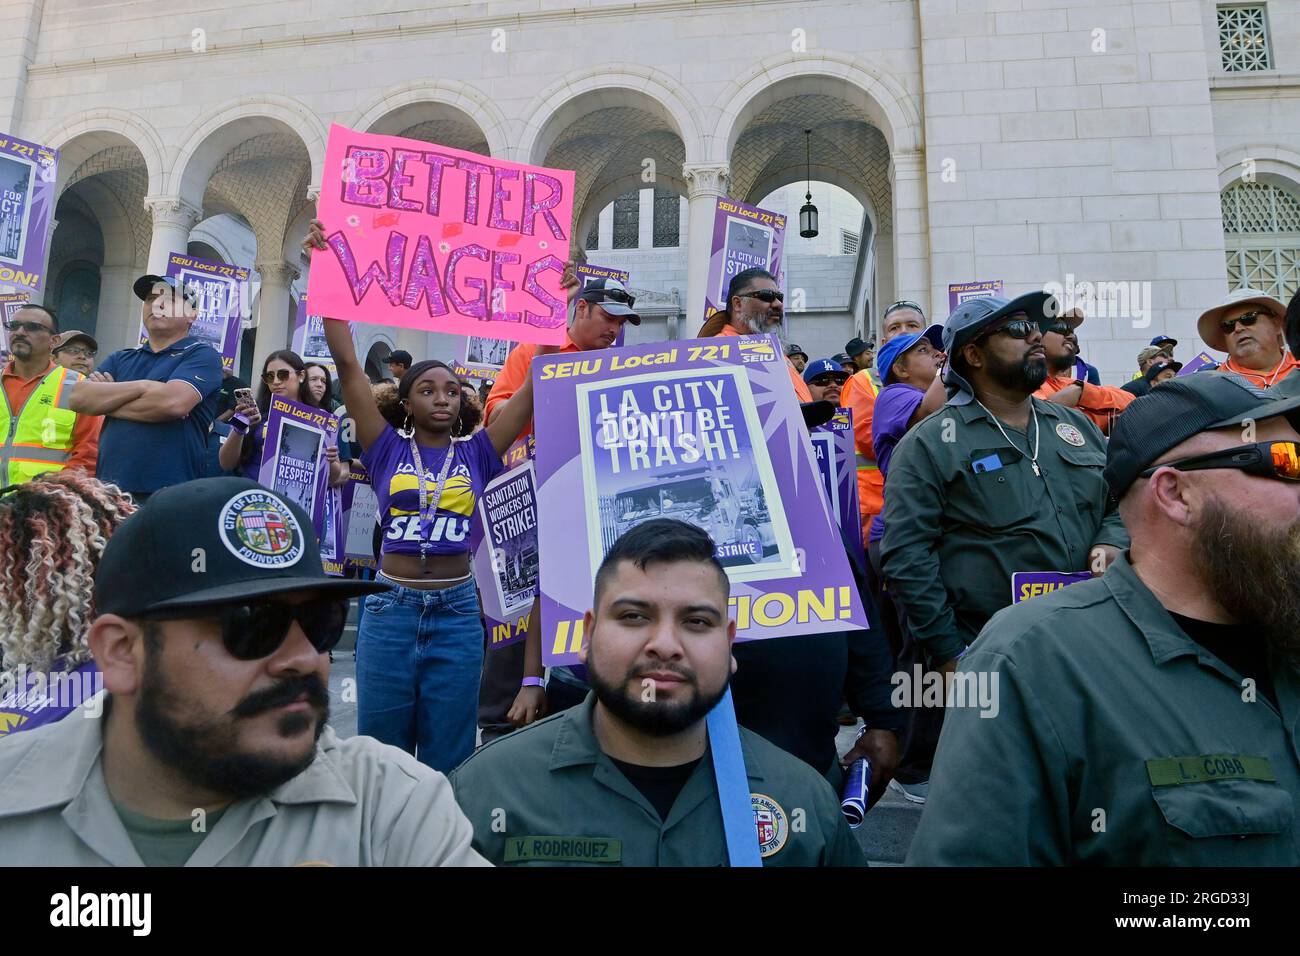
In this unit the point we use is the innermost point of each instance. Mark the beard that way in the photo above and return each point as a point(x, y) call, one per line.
point(1026, 376)
point(1254, 572)
point(758, 325)
point(658, 718)
point(205, 752)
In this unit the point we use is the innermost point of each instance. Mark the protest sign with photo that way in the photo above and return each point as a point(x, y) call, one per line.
point(486, 355)
point(428, 237)
point(744, 236)
point(309, 338)
point(959, 292)
point(220, 289)
point(706, 431)
point(10, 303)
point(837, 464)
point(28, 173)
point(331, 533)
point(360, 508)
point(504, 546)
point(293, 457)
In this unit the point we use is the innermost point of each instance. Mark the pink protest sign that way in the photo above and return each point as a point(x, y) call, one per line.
point(433, 238)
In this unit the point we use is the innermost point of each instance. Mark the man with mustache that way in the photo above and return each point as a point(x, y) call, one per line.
point(993, 483)
point(1247, 325)
point(1067, 375)
point(1147, 717)
point(825, 379)
point(627, 777)
point(215, 619)
point(755, 306)
point(39, 431)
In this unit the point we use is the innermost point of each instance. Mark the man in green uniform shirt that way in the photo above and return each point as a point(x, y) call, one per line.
point(1146, 718)
point(626, 777)
point(993, 483)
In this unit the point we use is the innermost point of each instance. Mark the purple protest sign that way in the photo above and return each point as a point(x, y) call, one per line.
point(743, 237)
point(360, 506)
point(332, 533)
point(1203, 361)
point(959, 292)
point(309, 338)
point(1031, 584)
point(483, 357)
point(28, 173)
point(293, 457)
point(588, 273)
point(836, 459)
point(504, 546)
point(10, 303)
point(220, 305)
point(706, 431)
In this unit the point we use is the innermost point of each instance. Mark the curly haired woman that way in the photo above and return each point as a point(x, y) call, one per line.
point(53, 530)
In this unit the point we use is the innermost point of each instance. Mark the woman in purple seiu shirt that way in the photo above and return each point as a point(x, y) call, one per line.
point(420, 645)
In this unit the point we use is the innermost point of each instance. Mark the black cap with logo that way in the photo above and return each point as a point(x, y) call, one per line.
point(1179, 409)
point(213, 541)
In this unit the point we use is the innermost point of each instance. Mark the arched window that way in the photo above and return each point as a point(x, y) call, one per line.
point(1261, 234)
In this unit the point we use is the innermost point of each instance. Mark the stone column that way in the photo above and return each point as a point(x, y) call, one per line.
point(273, 303)
point(706, 182)
point(117, 325)
point(911, 242)
point(173, 218)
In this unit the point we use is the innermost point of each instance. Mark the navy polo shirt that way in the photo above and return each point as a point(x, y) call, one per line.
point(147, 456)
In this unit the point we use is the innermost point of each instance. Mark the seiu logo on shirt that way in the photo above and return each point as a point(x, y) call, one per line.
point(445, 528)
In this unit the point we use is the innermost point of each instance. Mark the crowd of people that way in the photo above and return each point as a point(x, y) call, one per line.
point(1135, 713)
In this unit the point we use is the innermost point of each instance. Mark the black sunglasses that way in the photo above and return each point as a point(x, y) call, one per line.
point(17, 326)
point(1269, 459)
point(256, 629)
point(821, 381)
point(763, 295)
point(900, 304)
point(1246, 319)
point(613, 295)
point(1017, 329)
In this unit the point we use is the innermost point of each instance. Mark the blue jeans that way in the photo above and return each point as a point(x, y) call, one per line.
point(419, 657)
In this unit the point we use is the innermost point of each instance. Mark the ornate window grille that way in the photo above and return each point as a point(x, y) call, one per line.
point(1261, 236)
point(626, 220)
point(667, 219)
point(1243, 39)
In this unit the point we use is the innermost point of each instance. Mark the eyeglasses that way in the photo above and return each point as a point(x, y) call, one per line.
point(1269, 459)
point(1227, 326)
point(76, 350)
point(279, 375)
point(19, 326)
point(256, 630)
point(763, 295)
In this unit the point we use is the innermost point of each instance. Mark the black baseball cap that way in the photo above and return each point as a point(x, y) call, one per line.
point(792, 350)
point(1177, 410)
point(855, 347)
point(213, 541)
point(145, 285)
point(401, 355)
point(597, 292)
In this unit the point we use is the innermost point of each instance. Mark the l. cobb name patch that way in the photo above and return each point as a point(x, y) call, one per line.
point(259, 529)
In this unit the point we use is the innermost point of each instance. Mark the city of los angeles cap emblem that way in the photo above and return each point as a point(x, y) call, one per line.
point(259, 529)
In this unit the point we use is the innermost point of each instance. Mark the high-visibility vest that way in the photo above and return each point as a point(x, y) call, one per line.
point(873, 389)
point(38, 438)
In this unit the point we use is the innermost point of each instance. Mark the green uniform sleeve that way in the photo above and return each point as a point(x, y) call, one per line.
point(914, 497)
point(843, 848)
point(998, 791)
point(1112, 530)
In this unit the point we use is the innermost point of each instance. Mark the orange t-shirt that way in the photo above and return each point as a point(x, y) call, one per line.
point(1101, 403)
point(859, 394)
point(800, 386)
point(85, 433)
point(1267, 378)
point(512, 377)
